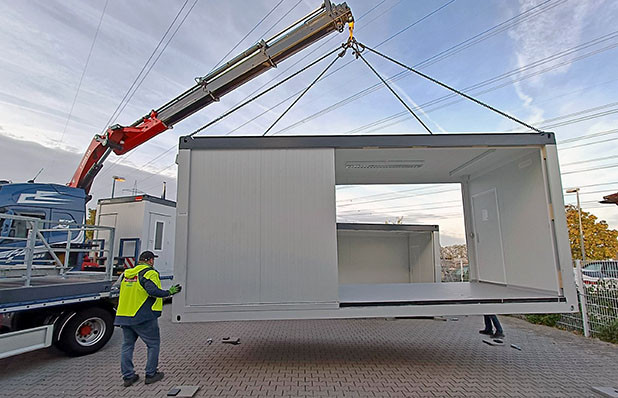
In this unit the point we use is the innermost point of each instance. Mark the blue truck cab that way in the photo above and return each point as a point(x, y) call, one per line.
point(53, 202)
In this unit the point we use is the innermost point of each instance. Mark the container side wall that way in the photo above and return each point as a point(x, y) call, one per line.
point(373, 257)
point(563, 248)
point(223, 264)
point(258, 227)
point(421, 246)
point(297, 227)
point(518, 191)
point(181, 246)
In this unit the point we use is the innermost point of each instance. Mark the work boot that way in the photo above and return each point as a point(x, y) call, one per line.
point(485, 331)
point(154, 378)
point(497, 335)
point(129, 382)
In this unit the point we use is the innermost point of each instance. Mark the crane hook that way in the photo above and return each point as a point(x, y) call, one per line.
point(351, 28)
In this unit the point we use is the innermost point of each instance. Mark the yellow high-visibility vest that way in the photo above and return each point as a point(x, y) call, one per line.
point(133, 295)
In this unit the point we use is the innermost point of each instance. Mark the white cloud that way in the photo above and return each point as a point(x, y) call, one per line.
point(556, 29)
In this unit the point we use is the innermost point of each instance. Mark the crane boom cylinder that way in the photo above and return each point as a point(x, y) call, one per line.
point(208, 89)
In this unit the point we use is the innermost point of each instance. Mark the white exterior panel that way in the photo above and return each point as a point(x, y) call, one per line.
point(259, 228)
point(298, 230)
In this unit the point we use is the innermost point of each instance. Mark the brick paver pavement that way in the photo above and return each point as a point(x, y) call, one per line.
point(355, 358)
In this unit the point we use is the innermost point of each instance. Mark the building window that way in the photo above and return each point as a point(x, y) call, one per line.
point(158, 235)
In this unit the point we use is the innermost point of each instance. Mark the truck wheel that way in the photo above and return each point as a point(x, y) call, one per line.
point(86, 331)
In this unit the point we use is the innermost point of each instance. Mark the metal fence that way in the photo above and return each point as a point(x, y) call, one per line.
point(597, 291)
point(455, 270)
point(33, 247)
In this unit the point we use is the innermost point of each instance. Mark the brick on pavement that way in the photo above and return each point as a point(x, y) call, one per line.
point(350, 358)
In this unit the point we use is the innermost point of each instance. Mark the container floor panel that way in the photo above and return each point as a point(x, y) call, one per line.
point(437, 293)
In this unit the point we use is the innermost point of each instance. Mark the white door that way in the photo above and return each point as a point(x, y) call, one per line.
point(488, 237)
point(160, 235)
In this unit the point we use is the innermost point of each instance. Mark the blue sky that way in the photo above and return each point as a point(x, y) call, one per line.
point(565, 51)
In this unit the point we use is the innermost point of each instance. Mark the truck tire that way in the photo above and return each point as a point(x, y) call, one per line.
point(86, 331)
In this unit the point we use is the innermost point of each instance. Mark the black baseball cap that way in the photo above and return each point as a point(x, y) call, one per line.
point(147, 255)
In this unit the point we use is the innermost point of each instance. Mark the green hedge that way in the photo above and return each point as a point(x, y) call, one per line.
point(544, 319)
point(609, 332)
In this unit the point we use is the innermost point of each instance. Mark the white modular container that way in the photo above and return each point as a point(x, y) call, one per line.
point(257, 234)
point(388, 253)
point(150, 219)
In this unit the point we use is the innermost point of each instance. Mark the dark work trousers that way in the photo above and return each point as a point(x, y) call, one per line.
point(489, 319)
point(149, 333)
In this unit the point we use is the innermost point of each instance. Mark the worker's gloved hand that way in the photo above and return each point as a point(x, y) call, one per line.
point(175, 289)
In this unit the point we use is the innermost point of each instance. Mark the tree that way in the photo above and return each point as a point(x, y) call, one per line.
point(92, 213)
point(600, 242)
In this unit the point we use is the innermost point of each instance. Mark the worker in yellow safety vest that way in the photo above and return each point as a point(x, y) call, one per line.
point(139, 307)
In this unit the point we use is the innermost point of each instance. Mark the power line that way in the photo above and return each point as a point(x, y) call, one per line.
point(417, 210)
point(487, 82)
point(174, 146)
point(588, 143)
point(401, 197)
point(307, 54)
point(247, 35)
point(239, 106)
point(423, 64)
point(534, 11)
point(459, 199)
point(326, 76)
point(441, 84)
point(81, 79)
point(137, 82)
point(282, 17)
point(587, 136)
point(305, 91)
point(611, 166)
point(360, 18)
point(590, 160)
point(387, 193)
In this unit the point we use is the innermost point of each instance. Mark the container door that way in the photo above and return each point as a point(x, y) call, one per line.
point(159, 242)
point(488, 237)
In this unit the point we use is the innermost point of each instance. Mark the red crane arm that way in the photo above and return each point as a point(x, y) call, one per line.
point(118, 139)
point(246, 66)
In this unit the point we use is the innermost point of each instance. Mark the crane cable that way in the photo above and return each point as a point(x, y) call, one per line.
point(364, 47)
point(358, 53)
point(340, 55)
point(264, 92)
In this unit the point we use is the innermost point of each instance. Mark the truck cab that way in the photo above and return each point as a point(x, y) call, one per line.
point(53, 202)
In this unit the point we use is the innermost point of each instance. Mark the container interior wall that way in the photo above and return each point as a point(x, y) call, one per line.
point(385, 257)
point(261, 227)
point(511, 225)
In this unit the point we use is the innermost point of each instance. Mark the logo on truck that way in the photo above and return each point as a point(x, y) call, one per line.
point(41, 198)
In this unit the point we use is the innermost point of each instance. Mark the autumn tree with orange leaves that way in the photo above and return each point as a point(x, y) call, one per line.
point(600, 242)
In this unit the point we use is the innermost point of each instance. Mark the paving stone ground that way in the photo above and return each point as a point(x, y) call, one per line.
point(355, 358)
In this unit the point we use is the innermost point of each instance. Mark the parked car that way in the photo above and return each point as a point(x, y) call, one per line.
point(595, 271)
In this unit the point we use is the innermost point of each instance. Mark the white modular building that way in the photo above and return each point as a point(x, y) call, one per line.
point(406, 253)
point(143, 220)
point(257, 237)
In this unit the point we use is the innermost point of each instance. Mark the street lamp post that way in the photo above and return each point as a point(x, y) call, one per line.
point(116, 178)
point(581, 230)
